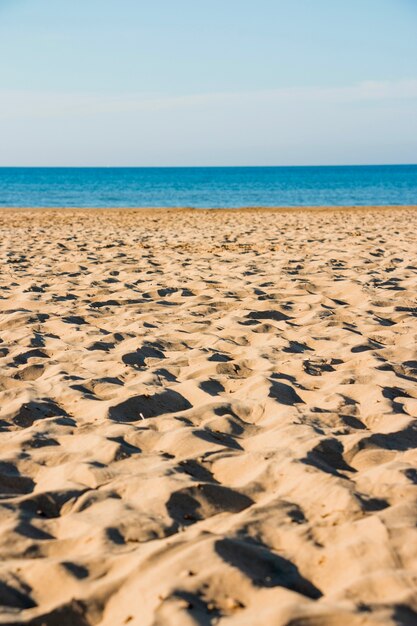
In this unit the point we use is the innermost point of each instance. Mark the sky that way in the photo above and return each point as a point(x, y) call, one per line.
point(191, 82)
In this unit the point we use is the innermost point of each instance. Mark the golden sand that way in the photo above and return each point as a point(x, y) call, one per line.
point(208, 417)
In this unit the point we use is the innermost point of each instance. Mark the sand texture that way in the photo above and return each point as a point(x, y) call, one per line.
point(208, 417)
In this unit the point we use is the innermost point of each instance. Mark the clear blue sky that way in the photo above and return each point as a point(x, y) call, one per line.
point(191, 82)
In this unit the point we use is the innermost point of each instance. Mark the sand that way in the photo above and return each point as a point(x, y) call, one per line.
point(208, 417)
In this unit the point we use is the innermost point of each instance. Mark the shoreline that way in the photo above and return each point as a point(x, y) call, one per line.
point(214, 209)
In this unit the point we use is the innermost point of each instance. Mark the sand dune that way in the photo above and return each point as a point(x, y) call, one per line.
point(208, 417)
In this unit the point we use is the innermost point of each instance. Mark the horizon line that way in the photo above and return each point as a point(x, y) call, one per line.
point(16, 167)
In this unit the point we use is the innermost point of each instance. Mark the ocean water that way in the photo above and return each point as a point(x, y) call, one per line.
point(208, 186)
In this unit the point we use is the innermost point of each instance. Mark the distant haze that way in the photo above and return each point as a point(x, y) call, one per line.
point(275, 82)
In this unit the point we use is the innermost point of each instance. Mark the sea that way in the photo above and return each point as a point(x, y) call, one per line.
point(209, 187)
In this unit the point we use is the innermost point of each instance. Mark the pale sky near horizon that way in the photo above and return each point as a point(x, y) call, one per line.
point(225, 82)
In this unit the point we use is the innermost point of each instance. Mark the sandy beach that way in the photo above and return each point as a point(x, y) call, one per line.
point(208, 417)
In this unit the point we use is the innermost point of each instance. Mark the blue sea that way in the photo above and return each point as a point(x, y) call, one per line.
point(203, 187)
